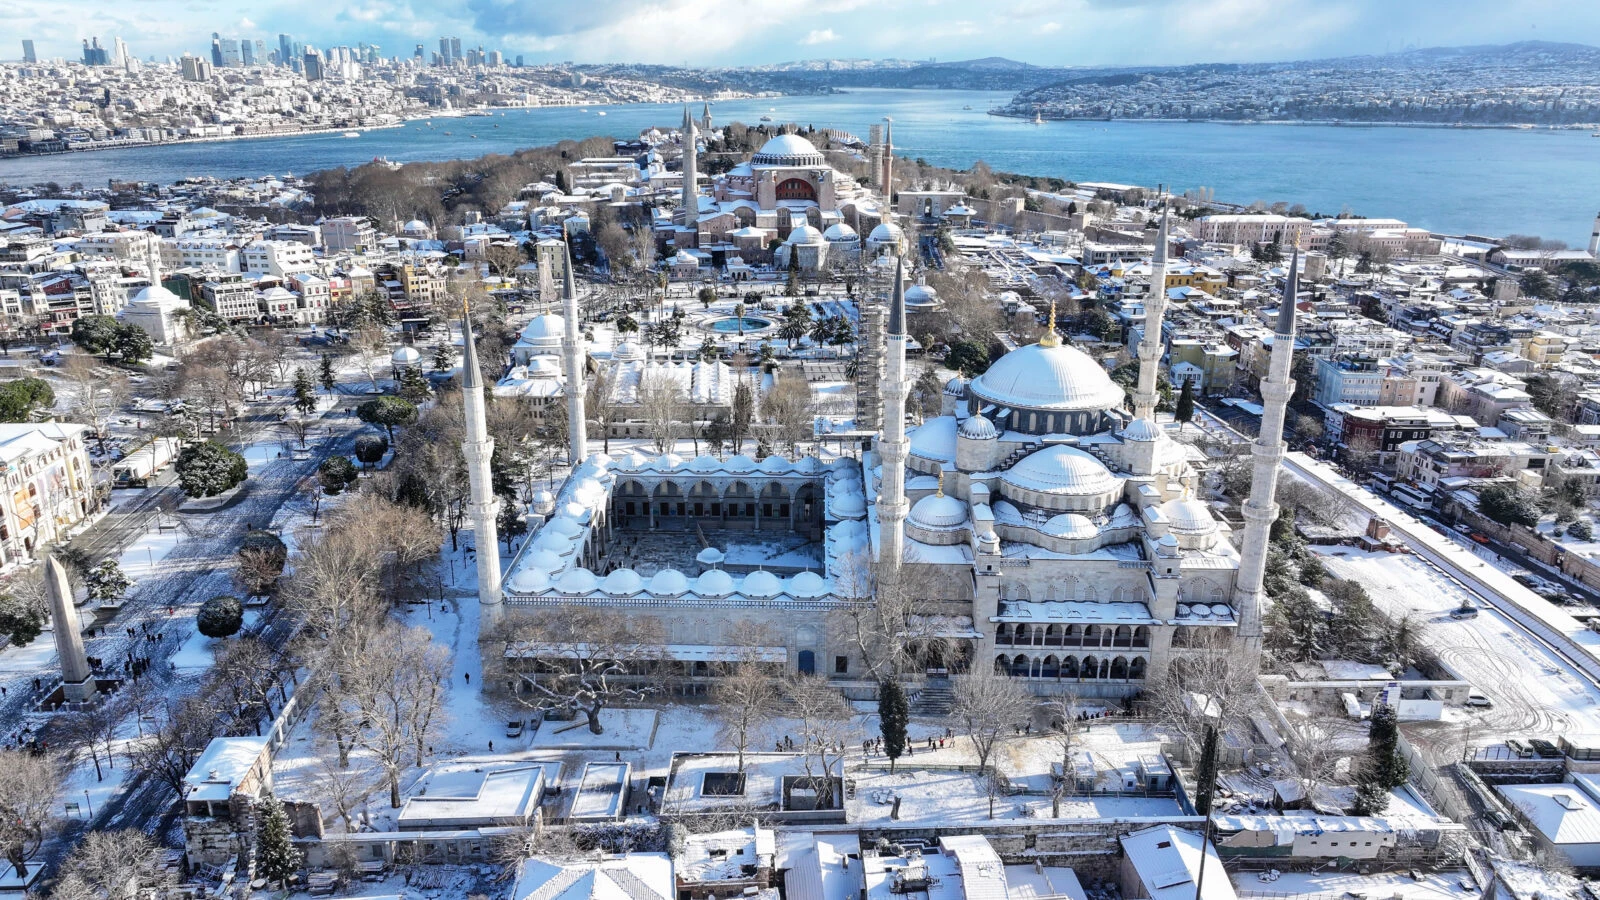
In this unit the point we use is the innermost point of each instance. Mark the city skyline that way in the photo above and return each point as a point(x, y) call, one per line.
point(701, 33)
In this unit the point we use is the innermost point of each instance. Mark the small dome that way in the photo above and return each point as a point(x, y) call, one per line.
point(635, 461)
point(157, 295)
point(760, 585)
point(622, 583)
point(920, 295)
point(405, 356)
point(577, 581)
point(543, 501)
point(704, 463)
point(627, 351)
point(547, 329)
point(839, 232)
point(414, 225)
point(1189, 517)
point(740, 463)
point(529, 580)
point(805, 234)
point(1142, 429)
point(939, 511)
point(887, 232)
point(955, 387)
point(668, 583)
point(565, 527)
point(1070, 525)
point(807, 585)
point(1061, 470)
point(777, 464)
point(715, 583)
point(978, 428)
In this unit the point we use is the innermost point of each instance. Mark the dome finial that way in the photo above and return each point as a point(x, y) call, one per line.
point(1049, 339)
point(940, 492)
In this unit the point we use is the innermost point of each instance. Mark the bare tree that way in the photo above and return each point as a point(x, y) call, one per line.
point(504, 259)
point(96, 396)
point(93, 730)
point(1208, 684)
point(1065, 713)
point(822, 720)
point(169, 753)
point(789, 409)
point(279, 351)
point(746, 697)
point(986, 704)
point(883, 623)
point(28, 786)
point(371, 345)
point(111, 865)
point(245, 672)
point(584, 658)
point(395, 695)
point(663, 407)
point(347, 787)
point(602, 406)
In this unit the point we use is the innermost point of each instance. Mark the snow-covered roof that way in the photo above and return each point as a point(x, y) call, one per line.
point(633, 876)
point(226, 763)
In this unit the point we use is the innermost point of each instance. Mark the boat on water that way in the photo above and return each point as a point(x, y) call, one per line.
point(766, 118)
point(1038, 119)
point(601, 113)
point(447, 132)
point(1596, 134)
point(968, 106)
point(350, 134)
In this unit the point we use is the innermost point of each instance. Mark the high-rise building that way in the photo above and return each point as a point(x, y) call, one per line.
point(247, 53)
point(495, 59)
point(519, 60)
point(230, 53)
point(444, 50)
point(312, 61)
point(455, 48)
point(216, 50)
point(94, 54)
point(119, 54)
point(285, 49)
point(195, 68)
point(28, 54)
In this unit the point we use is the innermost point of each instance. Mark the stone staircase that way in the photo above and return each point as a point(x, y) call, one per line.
point(934, 699)
point(1017, 455)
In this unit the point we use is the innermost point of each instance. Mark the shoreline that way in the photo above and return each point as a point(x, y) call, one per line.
point(1001, 113)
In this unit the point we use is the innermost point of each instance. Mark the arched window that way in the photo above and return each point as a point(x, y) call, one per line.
point(1141, 636)
point(1119, 668)
point(1136, 669)
point(796, 189)
point(1052, 667)
point(1090, 668)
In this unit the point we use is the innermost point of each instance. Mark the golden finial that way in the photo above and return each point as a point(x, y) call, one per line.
point(941, 482)
point(1049, 339)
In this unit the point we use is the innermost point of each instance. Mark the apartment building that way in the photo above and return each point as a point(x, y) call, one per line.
point(279, 259)
point(48, 489)
point(232, 297)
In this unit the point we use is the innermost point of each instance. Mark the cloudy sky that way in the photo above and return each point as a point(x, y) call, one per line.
point(742, 32)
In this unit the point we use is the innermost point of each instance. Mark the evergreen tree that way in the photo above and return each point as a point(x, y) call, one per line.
point(206, 469)
point(1185, 411)
point(328, 380)
point(277, 859)
point(221, 616)
point(337, 473)
point(414, 387)
point(893, 715)
point(1384, 768)
point(305, 392)
point(107, 581)
point(1205, 776)
point(444, 357)
point(791, 288)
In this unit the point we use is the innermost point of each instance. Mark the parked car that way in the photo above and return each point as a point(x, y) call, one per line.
point(1519, 748)
point(514, 728)
point(1544, 748)
point(1465, 611)
point(1476, 697)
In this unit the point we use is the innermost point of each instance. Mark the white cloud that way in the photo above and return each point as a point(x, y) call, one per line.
point(820, 36)
point(246, 23)
point(1049, 28)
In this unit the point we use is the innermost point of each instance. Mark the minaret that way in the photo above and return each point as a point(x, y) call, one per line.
point(77, 681)
point(1594, 239)
point(691, 180)
point(1260, 510)
point(478, 448)
point(888, 160)
point(705, 117)
point(894, 448)
point(572, 355)
point(1155, 306)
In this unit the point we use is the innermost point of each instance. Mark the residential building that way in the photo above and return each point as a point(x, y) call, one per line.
point(232, 297)
point(48, 489)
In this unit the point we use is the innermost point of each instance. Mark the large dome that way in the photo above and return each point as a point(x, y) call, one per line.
point(1060, 470)
point(788, 150)
point(939, 511)
point(1048, 378)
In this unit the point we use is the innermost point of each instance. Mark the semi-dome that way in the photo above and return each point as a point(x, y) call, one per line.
point(788, 150)
point(1142, 429)
point(939, 511)
point(1188, 517)
point(405, 356)
point(1048, 378)
point(935, 439)
point(839, 232)
point(1070, 525)
point(761, 584)
point(978, 428)
point(805, 234)
point(1060, 470)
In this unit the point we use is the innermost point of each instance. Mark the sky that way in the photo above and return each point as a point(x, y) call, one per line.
point(752, 32)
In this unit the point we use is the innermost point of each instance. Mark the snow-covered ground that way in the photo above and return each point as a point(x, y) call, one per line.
point(1535, 691)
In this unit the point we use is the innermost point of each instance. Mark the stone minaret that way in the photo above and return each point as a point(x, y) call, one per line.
point(1144, 399)
point(1260, 510)
point(888, 160)
point(894, 448)
point(478, 448)
point(1594, 239)
point(572, 356)
point(77, 681)
point(705, 118)
point(691, 179)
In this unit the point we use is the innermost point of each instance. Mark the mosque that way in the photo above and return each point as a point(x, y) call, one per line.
point(1050, 529)
point(787, 192)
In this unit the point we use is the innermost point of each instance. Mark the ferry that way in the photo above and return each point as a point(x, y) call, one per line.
point(968, 106)
point(351, 134)
point(766, 118)
point(601, 113)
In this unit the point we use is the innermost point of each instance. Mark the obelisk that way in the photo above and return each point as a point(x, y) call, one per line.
point(77, 682)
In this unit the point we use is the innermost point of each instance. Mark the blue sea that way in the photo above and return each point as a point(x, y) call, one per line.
point(1484, 181)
